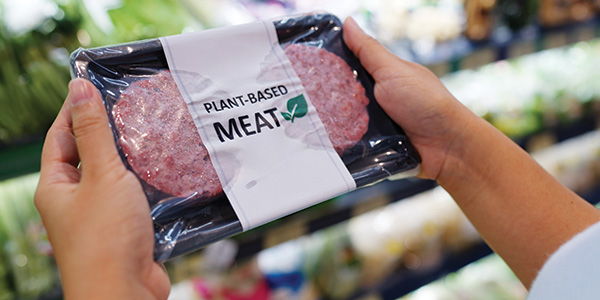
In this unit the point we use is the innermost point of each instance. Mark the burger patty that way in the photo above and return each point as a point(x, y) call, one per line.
point(160, 141)
point(332, 88)
point(158, 137)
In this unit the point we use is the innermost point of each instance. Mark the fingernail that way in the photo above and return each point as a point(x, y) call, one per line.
point(80, 92)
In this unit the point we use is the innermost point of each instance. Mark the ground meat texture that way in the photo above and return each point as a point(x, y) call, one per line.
point(333, 89)
point(160, 141)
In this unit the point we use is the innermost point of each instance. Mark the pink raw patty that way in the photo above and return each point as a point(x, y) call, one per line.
point(162, 145)
point(159, 138)
point(332, 87)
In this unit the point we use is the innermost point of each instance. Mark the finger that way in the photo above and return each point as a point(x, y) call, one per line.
point(374, 57)
point(93, 137)
point(58, 160)
point(160, 281)
point(59, 157)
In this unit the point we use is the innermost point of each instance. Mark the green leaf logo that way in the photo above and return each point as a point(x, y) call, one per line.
point(297, 108)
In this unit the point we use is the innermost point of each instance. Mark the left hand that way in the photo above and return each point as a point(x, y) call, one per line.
point(97, 216)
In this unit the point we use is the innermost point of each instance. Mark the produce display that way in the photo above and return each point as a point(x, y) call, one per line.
point(413, 29)
point(525, 95)
point(26, 269)
point(35, 48)
point(489, 278)
point(423, 21)
point(33, 74)
point(6, 292)
point(438, 31)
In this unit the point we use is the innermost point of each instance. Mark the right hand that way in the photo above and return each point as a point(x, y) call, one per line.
point(415, 99)
point(519, 209)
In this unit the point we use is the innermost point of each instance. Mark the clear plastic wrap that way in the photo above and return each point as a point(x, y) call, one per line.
point(187, 219)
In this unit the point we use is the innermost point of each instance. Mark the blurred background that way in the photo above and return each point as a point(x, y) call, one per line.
point(529, 67)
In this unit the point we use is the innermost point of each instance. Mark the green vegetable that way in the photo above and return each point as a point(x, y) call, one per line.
point(34, 73)
point(6, 292)
point(138, 20)
point(32, 83)
point(31, 272)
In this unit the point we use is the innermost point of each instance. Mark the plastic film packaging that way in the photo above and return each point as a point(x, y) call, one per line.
point(230, 128)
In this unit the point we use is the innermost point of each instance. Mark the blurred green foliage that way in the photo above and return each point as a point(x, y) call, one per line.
point(26, 270)
point(34, 68)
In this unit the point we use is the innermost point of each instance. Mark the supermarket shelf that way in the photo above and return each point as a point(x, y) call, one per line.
point(503, 44)
point(559, 132)
point(327, 214)
point(406, 281)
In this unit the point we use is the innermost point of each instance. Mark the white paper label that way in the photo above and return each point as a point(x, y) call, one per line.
point(265, 139)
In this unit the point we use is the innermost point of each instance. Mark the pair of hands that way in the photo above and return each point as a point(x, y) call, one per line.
point(97, 216)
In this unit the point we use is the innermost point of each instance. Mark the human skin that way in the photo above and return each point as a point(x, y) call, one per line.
point(97, 216)
point(520, 210)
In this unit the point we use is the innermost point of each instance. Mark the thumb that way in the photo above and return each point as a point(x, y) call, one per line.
point(93, 137)
point(373, 56)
